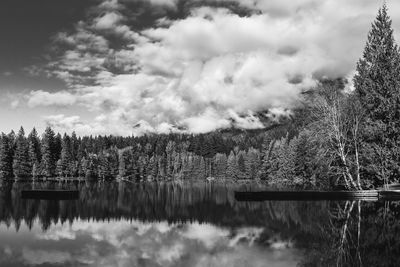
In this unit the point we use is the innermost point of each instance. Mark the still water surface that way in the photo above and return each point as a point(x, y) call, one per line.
point(184, 224)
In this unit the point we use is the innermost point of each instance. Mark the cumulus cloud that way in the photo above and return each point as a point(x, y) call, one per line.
point(210, 69)
point(42, 98)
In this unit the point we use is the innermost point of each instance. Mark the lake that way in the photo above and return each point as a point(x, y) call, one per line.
point(191, 224)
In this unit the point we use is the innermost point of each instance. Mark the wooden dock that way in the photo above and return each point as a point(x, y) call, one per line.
point(49, 194)
point(308, 195)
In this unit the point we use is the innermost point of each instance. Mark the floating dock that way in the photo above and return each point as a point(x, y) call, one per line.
point(371, 195)
point(49, 194)
point(389, 194)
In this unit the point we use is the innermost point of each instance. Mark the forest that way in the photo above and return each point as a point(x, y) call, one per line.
point(335, 137)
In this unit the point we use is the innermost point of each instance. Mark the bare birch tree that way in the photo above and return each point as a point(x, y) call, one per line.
point(336, 119)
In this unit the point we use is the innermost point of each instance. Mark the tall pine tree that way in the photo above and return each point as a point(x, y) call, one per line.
point(5, 158)
point(21, 164)
point(48, 163)
point(232, 171)
point(377, 84)
point(34, 147)
point(65, 166)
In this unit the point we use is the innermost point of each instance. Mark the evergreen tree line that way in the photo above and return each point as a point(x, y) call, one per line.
point(218, 155)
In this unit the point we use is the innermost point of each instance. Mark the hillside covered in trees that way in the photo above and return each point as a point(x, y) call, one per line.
point(334, 137)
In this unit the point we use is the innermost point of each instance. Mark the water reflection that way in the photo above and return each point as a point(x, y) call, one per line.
point(120, 224)
point(124, 243)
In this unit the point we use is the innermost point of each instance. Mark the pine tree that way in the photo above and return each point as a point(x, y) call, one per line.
point(252, 163)
point(221, 162)
point(35, 171)
point(57, 147)
point(22, 167)
point(104, 169)
point(201, 168)
point(142, 163)
point(161, 167)
point(91, 167)
point(113, 161)
point(48, 163)
point(59, 169)
point(126, 163)
point(152, 168)
point(184, 165)
point(169, 151)
point(12, 137)
point(232, 171)
point(82, 167)
point(278, 167)
point(66, 165)
point(267, 152)
point(122, 164)
point(377, 85)
point(5, 158)
point(34, 148)
point(241, 163)
point(12, 142)
point(74, 154)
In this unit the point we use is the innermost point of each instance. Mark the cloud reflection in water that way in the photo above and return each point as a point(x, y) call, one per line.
point(136, 243)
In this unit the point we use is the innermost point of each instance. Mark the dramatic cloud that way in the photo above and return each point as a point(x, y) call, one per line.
point(210, 68)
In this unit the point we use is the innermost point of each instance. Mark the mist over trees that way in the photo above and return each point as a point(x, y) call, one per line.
point(334, 137)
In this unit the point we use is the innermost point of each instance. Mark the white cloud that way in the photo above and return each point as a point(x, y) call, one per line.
point(110, 5)
point(42, 98)
point(168, 3)
point(205, 122)
point(212, 69)
point(108, 21)
point(62, 123)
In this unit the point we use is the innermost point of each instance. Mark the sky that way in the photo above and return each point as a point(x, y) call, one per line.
point(126, 67)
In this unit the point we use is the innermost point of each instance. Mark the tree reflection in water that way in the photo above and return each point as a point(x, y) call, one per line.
point(322, 233)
